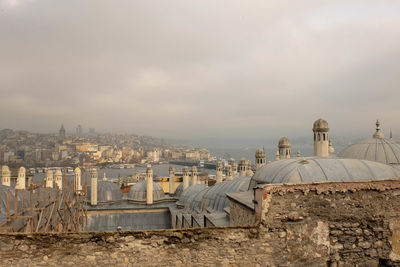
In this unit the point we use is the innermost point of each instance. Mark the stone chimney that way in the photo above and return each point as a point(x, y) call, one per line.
point(321, 138)
point(171, 180)
point(93, 186)
point(149, 185)
point(185, 173)
point(21, 178)
point(5, 176)
point(195, 179)
point(219, 172)
point(49, 179)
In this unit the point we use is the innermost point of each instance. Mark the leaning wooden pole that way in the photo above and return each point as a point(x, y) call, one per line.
point(64, 202)
point(8, 209)
point(15, 210)
point(32, 223)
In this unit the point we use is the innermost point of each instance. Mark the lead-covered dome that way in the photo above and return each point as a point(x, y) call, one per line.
point(106, 191)
point(138, 191)
point(317, 169)
point(376, 148)
point(179, 190)
point(320, 125)
point(284, 143)
point(190, 191)
point(260, 153)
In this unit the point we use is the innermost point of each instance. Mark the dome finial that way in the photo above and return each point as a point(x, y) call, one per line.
point(378, 133)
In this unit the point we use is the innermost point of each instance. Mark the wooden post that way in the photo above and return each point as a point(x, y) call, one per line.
point(8, 207)
point(32, 223)
point(64, 202)
point(15, 210)
point(55, 228)
point(22, 206)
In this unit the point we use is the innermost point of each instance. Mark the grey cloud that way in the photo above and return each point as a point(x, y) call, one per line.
point(185, 69)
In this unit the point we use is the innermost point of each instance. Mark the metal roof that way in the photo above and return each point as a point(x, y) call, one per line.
point(190, 192)
point(315, 169)
point(214, 198)
point(138, 191)
point(129, 221)
point(375, 149)
point(179, 190)
point(106, 191)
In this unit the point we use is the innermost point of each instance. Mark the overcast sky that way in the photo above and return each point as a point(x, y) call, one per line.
point(200, 69)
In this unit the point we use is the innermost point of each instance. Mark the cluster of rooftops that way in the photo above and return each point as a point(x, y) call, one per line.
point(370, 159)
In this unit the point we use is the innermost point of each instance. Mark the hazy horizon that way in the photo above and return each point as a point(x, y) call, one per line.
point(195, 70)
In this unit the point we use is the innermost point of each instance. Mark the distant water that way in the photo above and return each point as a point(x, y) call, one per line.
point(161, 170)
point(249, 153)
point(221, 153)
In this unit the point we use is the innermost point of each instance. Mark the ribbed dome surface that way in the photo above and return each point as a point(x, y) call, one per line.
point(179, 189)
point(374, 149)
point(190, 191)
point(301, 170)
point(138, 191)
point(284, 143)
point(106, 191)
point(214, 198)
point(260, 153)
point(320, 125)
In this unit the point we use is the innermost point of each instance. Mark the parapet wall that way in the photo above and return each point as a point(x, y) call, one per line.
point(327, 224)
point(338, 223)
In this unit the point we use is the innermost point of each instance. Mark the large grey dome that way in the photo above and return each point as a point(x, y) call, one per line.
point(179, 190)
point(106, 191)
point(376, 148)
point(316, 169)
point(138, 191)
point(190, 191)
point(214, 199)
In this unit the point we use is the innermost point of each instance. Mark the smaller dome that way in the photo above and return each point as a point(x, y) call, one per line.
point(138, 191)
point(194, 169)
point(320, 125)
point(219, 164)
point(191, 190)
point(179, 190)
point(106, 191)
point(284, 143)
point(242, 161)
point(185, 169)
point(5, 170)
point(171, 168)
point(260, 153)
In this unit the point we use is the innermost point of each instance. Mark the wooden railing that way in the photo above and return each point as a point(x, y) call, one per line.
point(47, 210)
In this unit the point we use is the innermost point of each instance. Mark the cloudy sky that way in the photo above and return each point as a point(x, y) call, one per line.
point(200, 69)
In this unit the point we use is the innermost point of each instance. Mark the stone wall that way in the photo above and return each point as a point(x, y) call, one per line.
point(342, 224)
point(240, 214)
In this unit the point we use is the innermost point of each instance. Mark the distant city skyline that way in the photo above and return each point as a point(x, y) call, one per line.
point(200, 70)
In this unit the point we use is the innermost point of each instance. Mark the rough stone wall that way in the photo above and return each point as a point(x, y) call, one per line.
point(240, 214)
point(193, 247)
point(310, 225)
point(344, 223)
